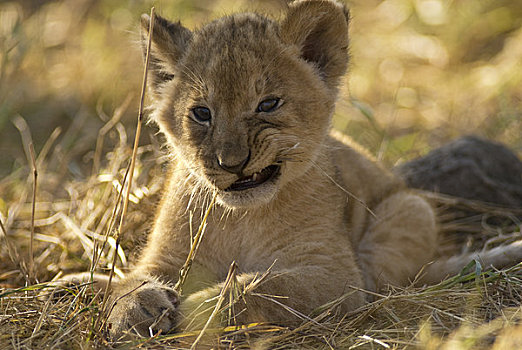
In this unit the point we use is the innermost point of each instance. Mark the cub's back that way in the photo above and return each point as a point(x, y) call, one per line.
point(364, 181)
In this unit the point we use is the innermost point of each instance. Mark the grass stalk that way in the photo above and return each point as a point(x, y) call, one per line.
point(20, 123)
point(133, 158)
point(118, 113)
point(228, 282)
point(110, 225)
point(183, 272)
point(32, 271)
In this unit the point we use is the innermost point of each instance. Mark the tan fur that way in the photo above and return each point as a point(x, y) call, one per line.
point(332, 223)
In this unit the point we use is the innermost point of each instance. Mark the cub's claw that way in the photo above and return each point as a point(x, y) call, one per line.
point(145, 311)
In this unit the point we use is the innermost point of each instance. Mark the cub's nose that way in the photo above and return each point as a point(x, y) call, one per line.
point(233, 164)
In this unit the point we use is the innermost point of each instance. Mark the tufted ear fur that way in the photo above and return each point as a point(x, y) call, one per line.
point(169, 42)
point(319, 28)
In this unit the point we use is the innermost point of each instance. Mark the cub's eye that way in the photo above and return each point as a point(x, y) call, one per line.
point(269, 105)
point(201, 114)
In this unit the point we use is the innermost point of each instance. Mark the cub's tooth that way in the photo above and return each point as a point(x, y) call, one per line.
point(254, 177)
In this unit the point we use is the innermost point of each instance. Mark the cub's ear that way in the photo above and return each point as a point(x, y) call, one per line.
point(319, 28)
point(169, 42)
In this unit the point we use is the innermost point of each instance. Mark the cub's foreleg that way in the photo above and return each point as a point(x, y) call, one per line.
point(305, 276)
point(398, 242)
point(285, 297)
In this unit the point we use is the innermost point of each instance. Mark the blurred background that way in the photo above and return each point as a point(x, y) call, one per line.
point(422, 72)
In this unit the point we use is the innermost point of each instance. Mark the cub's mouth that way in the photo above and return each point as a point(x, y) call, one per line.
point(255, 179)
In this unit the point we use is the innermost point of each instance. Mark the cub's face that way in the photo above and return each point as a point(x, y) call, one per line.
point(243, 107)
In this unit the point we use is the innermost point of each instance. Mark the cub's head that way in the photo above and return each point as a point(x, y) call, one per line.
point(245, 102)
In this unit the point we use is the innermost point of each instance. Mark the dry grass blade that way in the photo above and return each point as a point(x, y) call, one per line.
point(47, 146)
point(32, 276)
point(183, 272)
point(110, 226)
point(10, 249)
point(228, 282)
point(118, 113)
point(43, 315)
point(27, 142)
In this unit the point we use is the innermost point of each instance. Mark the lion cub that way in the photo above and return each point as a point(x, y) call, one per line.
point(245, 104)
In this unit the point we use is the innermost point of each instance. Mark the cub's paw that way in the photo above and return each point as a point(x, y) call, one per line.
point(144, 310)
